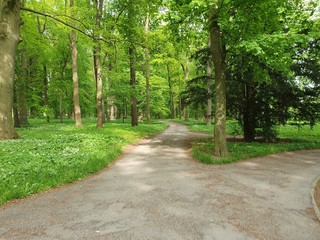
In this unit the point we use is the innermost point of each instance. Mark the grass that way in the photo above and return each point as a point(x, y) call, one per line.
point(291, 138)
point(49, 155)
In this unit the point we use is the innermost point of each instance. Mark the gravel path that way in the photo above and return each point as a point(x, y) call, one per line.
point(158, 192)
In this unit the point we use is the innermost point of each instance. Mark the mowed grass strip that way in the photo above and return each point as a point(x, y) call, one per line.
point(290, 138)
point(49, 155)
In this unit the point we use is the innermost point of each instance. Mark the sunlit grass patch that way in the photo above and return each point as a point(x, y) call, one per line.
point(290, 138)
point(49, 155)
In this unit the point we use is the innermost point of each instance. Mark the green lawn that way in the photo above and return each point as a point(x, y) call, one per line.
point(291, 138)
point(49, 155)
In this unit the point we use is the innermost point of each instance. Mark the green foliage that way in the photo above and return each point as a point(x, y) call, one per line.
point(49, 155)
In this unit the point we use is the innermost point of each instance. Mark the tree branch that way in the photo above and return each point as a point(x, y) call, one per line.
point(77, 29)
point(58, 20)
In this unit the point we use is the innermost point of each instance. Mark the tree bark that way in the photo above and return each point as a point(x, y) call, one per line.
point(75, 79)
point(133, 100)
point(45, 92)
point(16, 119)
point(185, 70)
point(249, 116)
point(22, 89)
point(9, 38)
point(218, 56)
point(146, 30)
point(171, 97)
point(98, 68)
point(209, 94)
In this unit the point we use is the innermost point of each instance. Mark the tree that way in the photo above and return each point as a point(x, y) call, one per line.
point(132, 49)
point(219, 60)
point(9, 38)
point(97, 65)
point(147, 55)
point(75, 79)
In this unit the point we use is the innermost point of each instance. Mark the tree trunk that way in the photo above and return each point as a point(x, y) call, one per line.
point(218, 56)
point(185, 70)
point(98, 68)
point(75, 79)
point(16, 119)
point(133, 100)
point(22, 89)
point(9, 38)
point(171, 101)
point(249, 116)
point(146, 30)
point(45, 92)
point(61, 107)
point(209, 94)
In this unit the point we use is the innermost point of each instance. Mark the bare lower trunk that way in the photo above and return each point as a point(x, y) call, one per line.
point(22, 90)
point(146, 29)
point(185, 70)
point(61, 107)
point(171, 94)
point(133, 100)
point(76, 97)
point(9, 38)
point(45, 93)
point(98, 69)
point(75, 79)
point(218, 55)
point(99, 86)
point(209, 94)
point(131, 33)
point(16, 119)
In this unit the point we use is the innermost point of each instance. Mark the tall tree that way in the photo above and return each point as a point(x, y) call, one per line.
point(171, 93)
point(146, 30)
point(219, 60)
point(209, 94)
point(75, 79)
point(9, 38)
point(97, 65)
point(133, 100)
point(22, 88)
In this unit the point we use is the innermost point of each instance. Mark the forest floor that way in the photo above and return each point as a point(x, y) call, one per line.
point(157, 191)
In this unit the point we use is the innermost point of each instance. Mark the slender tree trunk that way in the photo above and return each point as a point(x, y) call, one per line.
point(185, 70)
point(209, 94)
point(45, 92)
point(146, 30)
point(171, 101)
point(133, 100)
point(75, 79)
point(22, 89)
point(9, 38)
point(16, 119)
point(61, 107)
point(218, 56)
point(98, 68)
point(249, 116)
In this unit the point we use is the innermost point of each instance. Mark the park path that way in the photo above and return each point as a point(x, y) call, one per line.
point(158, 192)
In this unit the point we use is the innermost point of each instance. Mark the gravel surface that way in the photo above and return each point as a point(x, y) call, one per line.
point(158, 192)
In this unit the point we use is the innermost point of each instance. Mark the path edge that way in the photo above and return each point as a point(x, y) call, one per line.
point(312, 192)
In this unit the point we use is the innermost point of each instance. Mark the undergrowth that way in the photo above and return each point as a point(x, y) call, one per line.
point(49, 155)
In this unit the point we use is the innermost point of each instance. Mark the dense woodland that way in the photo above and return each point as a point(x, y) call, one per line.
point(253, 61)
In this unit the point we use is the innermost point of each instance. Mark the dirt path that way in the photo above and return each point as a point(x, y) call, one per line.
point(158, 192)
